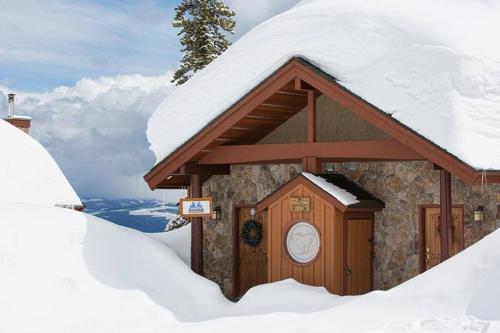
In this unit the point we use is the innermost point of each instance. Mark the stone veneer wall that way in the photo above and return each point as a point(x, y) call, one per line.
point(245, 185)
point(401, 185)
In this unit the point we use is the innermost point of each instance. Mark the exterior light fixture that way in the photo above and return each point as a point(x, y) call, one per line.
point(479, 214)
point(216, 213)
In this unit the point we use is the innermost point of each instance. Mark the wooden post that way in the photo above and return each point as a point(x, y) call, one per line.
point(311, 164)
point(311, 116)
point(445, 205)
point(196, 229)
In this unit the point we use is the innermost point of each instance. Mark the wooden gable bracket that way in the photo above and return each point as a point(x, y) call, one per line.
point(301, 85)
point(327, 85)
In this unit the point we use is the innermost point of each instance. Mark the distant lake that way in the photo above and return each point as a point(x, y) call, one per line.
point(143, 215)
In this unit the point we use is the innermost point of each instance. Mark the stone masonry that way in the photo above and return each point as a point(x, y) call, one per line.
point(403, 186)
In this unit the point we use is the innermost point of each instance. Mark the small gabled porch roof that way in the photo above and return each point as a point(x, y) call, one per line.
point(337, 189)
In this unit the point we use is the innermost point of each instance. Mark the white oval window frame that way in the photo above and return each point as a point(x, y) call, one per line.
point(291, 256)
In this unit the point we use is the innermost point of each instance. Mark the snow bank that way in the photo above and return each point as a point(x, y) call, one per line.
point(66, 271)
point(178, 240)
point(432, 65)
point(460, 295)
point(29, 174)
point(287, 296)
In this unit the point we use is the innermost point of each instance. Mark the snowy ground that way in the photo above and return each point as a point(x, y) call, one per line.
point(65, 271)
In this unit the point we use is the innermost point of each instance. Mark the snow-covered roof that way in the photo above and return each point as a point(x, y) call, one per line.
point(433, 65)
point(29, 174)
point(338, 193)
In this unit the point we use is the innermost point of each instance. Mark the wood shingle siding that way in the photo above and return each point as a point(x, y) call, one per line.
point(334, 123)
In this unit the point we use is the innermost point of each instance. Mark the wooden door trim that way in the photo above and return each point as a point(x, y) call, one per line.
point(236, 248)
point(356, 216)
point(421, 231)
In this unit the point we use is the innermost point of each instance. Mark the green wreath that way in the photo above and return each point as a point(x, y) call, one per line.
point(251, 232)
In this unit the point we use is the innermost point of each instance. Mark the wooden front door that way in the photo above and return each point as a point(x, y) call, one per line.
point(252, 259)
point(432, 238)
point(359, 256)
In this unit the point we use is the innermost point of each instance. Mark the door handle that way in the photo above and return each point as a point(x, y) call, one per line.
point(427, 255)
point(348, 271)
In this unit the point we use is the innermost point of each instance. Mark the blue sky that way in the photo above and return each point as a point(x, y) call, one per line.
point(90, 74)
point(56, 42)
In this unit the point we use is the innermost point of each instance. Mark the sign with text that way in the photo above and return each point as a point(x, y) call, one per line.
point(300, 204)
point(196, 207)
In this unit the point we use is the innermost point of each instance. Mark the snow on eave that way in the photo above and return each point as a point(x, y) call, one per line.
point(336, 192)
point(411, 63)
point(309, 64)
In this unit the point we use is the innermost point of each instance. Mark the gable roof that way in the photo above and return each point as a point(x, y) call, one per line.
point(335, 188)
point(434, 79)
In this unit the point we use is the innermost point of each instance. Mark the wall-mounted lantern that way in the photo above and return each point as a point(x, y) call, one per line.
point(217, 213)
point(479, 214)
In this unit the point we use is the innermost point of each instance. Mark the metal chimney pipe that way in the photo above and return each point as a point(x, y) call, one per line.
point(11, 105)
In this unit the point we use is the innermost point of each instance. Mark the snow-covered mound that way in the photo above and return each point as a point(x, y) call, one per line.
point(66, 271)
point(29, 174)
point(178, 240)
point(433, 65)
point(287, 296)
point(460, 295)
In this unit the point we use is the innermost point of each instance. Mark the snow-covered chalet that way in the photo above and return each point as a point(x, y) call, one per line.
point(347, 144)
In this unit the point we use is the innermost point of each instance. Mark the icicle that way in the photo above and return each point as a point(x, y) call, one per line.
point(484, 180)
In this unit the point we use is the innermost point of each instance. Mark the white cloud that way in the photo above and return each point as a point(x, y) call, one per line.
point(96, 131)
point(62, 40)
point(95, 128)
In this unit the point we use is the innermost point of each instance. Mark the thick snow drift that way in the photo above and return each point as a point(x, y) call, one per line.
point(66, 271)
point(28, 173)
point(178, 240)
point(433, 65)
point(460, 295)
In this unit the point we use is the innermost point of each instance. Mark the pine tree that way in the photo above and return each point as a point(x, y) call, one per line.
point(202, 23)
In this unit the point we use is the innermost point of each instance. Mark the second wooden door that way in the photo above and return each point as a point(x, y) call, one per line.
point(432, 234)
point(252, 259)
point(359, 256)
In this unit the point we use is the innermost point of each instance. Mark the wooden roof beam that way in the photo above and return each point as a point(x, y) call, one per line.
point(382, 150)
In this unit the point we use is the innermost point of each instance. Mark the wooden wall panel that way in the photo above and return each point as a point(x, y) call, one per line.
point(326, 269)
